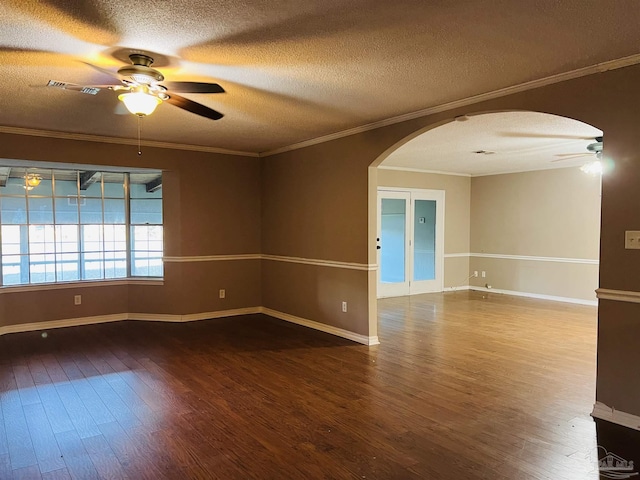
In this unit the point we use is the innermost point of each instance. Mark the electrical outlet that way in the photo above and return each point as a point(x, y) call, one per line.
point(223, 293)
point(475, 273)
point(77, 299)
point(344, 307)
point(484, 274)
point(632, 239)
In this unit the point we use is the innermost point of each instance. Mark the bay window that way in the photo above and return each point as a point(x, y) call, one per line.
point(60, 225)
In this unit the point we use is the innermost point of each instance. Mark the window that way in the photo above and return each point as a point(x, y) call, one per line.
point(67, 225)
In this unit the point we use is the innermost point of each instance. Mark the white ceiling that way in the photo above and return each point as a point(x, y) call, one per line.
point(293, 70)
point(507, 142)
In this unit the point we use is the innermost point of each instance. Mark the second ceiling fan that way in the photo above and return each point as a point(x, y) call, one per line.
point(594, 148)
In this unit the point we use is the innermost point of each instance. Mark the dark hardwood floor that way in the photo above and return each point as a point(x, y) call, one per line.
point(463, 386)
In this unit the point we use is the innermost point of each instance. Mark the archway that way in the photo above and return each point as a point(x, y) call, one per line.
point(503, 163)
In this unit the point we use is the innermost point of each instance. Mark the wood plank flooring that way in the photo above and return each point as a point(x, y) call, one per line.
point(464, 385)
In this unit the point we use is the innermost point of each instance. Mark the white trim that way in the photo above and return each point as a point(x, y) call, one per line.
point(604, 412)
point(39, 287)
point(531, 258)
point(69, 322)
point(408, 189)
point(322, 263)
point(275, 258)
point(457, 289)
point(456, 255)
point(194, 317)
point(618, 295)
point(212, 258)
point(191, 317)
point(540, 296)
point(586, 261)
point(539, 168)
point(356, 337)
point(555, 166)
point(421, 170)
point(121, 141)
point(561, 77)
point(154, 317)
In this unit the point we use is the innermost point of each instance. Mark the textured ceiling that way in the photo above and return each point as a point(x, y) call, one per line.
point(499, 143)
point(293, 69)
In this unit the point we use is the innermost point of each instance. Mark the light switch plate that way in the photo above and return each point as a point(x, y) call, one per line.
point(632, 240)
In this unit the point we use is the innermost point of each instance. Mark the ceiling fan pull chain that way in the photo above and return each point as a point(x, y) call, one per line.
point(139, 148)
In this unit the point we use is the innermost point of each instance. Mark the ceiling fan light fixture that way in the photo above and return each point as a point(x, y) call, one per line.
point(31, 181)
point(140, 102)
point(592, 168)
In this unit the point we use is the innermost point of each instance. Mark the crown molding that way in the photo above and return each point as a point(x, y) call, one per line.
point(121, 141)
point(502, 92)
point(561, 77)
point(421, 170)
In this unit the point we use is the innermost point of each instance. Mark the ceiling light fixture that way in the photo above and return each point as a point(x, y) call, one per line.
point(31, 181)
point(592, 168)
point(139, 101)
point(484, 152)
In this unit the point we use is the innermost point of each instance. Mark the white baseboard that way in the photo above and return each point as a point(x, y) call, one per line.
point(540, 296)
point(604, 412)
point(456, 289)
point(339, 332)
point(192, 317)
point(69, 322)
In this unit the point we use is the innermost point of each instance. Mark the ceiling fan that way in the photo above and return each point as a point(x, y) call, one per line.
point(594, 148)
point(142, 90)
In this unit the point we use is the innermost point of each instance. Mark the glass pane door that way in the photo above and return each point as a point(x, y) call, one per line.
point(410, 242)
point(424, 240)
point(393, 235)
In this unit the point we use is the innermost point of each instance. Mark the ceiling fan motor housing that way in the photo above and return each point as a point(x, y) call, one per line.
point(597, 146)
point(141, 71)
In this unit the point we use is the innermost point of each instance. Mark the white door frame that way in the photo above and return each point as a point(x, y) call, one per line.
point(415, 287)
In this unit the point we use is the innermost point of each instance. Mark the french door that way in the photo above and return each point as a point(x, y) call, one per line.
point(410, 241)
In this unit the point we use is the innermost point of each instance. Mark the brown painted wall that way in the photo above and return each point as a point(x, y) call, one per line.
point(312, 195)
point(312, 203)
point(317, 202)
point(547, 213)
point(211, 207)
point(316, 293)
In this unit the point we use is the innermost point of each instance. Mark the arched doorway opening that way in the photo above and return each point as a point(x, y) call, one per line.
point(519, 208)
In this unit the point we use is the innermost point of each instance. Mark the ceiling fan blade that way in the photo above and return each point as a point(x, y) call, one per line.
point(104, 70)
point(193, 87)
point(194, 107)
point(576, 154)
point(569, 156)
point(89, 89)
point(544, 135)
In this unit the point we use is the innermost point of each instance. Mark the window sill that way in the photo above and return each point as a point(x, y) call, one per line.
point(36, 287)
